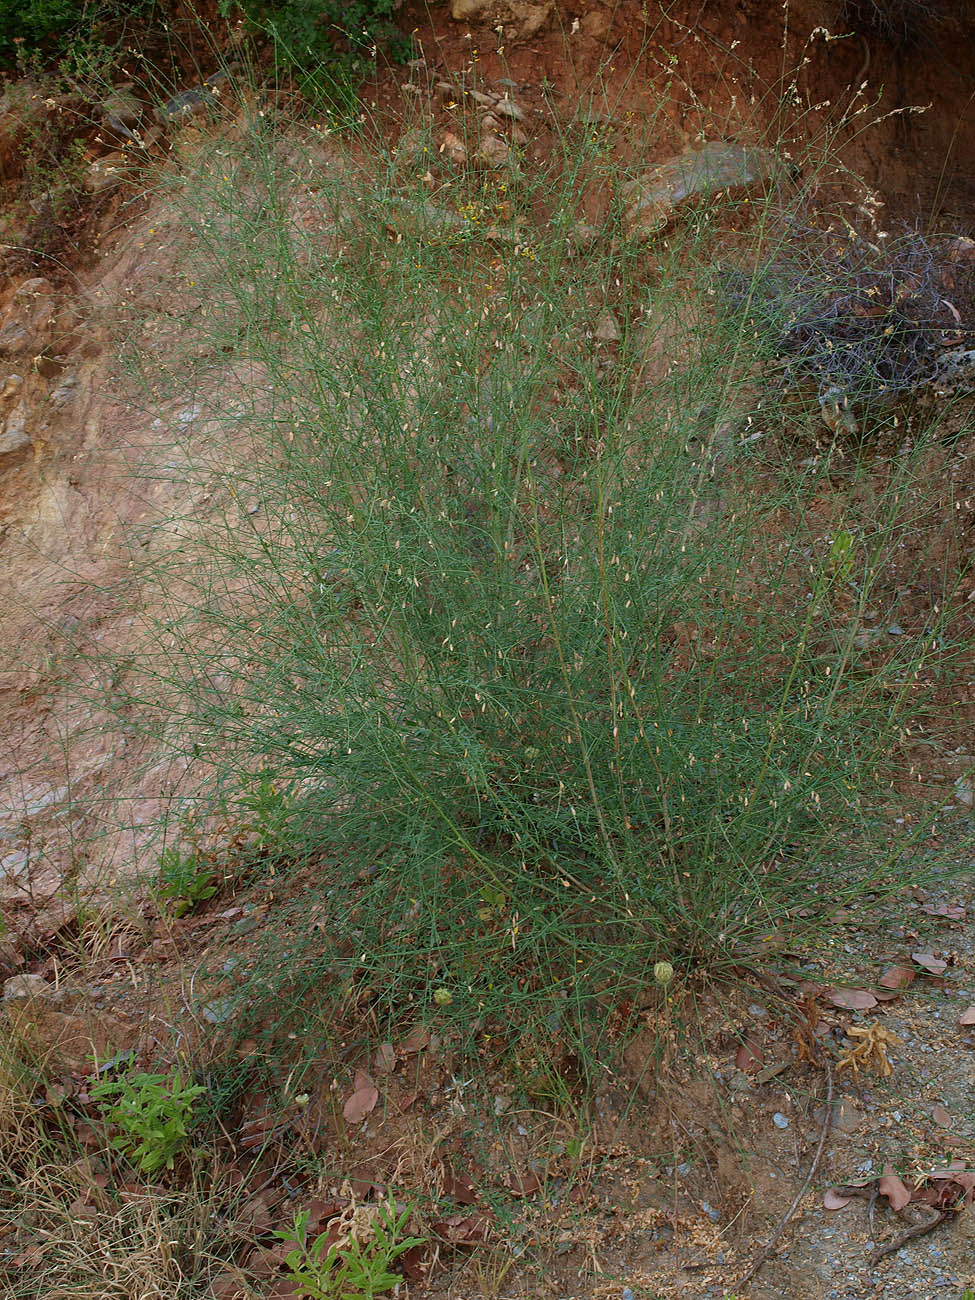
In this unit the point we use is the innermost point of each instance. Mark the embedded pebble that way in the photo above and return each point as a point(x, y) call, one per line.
point(780, 1120)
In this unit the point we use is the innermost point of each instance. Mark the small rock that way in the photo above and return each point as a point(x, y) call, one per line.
point(15, 443)
point(218, 1011)
point(453, 149)
point(965, 790)
point(780, 1120)
point(30, 986)
point(595, 24)
point(122, 107)
point(652, 199)
point(895, 629)
point(13, 385)
point(607, 330)
point(493, 151)
point(508, 108)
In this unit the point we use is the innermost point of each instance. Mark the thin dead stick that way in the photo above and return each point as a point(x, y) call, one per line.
point(783, 1222)
point(872, 1202)
point(919, 1230)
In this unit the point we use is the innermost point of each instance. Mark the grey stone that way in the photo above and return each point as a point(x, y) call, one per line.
point(30, 987)
point(15, 444)
point(607, 330)
point(652, 199)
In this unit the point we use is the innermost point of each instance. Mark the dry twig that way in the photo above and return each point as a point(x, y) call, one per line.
point(919, 1230)
point(783, 1222)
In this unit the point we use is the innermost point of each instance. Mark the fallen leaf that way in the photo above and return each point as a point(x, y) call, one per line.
point(385, 1059)
point(524, 1184)
point(749, 1056)
point(950, 911)
point(363, 1099)
point(897, 977)
point(225, 1286)
point(413, 1264)
point(933, 965)
point(834, 1200)
point(897, 1192)
point(941, 1116)
point(851, 999)
point(415, 1041)
point(458, 1186)
point(967, 1017)
point(461, 1229)
point(256, 1214)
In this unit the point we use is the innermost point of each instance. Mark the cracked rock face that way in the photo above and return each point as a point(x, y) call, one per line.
point(652, 199)
point(529, 18)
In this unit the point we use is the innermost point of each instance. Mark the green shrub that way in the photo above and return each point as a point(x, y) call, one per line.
point(36, 24)
point(535, 625)
point(310, 33)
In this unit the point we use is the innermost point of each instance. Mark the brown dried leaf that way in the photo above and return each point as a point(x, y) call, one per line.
point(363, 1100)
point(941, 1116)
point(384, 1062)
point(933, 965)
point(415, 1041)
point(851, 999)
point(524, 1184)
point(950, 911)
point(967, 1018)
point(897, 977)
point(897, 1192)
point(835, 1200)
point(749, 1056)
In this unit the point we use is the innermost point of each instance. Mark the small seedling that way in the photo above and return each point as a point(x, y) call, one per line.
point(270, 809)
point(154, 1113)
point(354, 1270)
point(184, 881)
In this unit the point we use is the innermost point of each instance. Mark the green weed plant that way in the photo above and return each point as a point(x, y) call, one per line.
point(351, 1271)
point(153, 1113)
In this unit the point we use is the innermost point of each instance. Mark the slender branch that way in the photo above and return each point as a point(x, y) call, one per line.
point(767, 1250)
